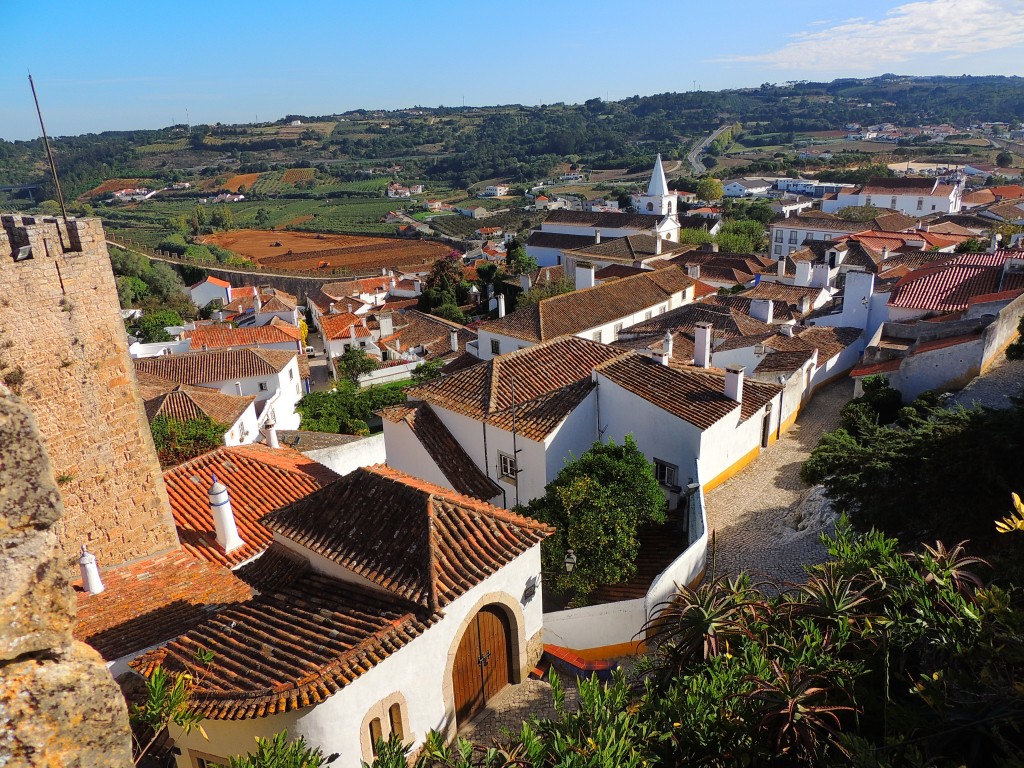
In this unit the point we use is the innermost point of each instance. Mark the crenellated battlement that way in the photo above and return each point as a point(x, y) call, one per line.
point(48, 235)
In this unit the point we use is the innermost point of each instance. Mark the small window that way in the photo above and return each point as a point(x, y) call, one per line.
point(362, 343)
point(376, 734)
point(667, 474)
point(495, 347)
point(507, 466)
point(792, 236)
point(867, 200)
point(650, 206)
point(204, 760)
point(920, 203)
point(395, 716)
point(778, 250)
point(778, 235)
point(291, 374)
point(617, 330)
point(933, 207)
point(892, 203)
point(263, 386)
point(298, 390)
point(597, 336)
point(648, 315)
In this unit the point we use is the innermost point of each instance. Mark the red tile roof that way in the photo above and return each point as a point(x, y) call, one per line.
point(151, 600)
point(870, 369)
point(949, 286)
point(184, 403)
point(216, 365)
point(550, 379)
point(259, 480)
point(213, 281)
point(224, 336)
point(577, 311)
point(949, 341)
point(417, 540)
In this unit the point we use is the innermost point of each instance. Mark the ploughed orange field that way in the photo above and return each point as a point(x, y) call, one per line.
point(313, 252)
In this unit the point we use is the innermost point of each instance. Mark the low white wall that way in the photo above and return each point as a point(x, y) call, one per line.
point(595, 626)
point(689, 566)
point(389, 374)
point(158, 348)
point(346, 458)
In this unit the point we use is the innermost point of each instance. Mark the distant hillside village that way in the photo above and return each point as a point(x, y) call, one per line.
point(318, 462)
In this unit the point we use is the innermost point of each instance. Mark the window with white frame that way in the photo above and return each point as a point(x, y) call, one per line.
point(666, 474)
point(507, 466)
point(892, 203)
point(617, 330)
point(920, 203)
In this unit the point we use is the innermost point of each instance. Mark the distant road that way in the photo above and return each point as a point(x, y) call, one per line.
point(693, 158)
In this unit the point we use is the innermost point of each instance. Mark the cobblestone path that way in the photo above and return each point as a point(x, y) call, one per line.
point(514, 705)
point(752, 514)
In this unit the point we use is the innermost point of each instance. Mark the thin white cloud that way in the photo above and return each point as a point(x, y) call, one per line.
point(946, 29)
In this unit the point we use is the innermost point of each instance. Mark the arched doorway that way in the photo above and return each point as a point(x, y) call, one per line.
point(482, 665)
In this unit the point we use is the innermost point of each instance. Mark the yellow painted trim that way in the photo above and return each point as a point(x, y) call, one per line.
point(784, 427)
point(605, 652)
point(986, 364)
point(736, 467)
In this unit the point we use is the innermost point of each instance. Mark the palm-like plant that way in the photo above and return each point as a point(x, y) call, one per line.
point(793, 709)
point(830, 597)
point(948, 568)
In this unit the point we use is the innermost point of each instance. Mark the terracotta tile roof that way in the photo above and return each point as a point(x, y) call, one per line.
point(776, 361)
point(184, 403)
point(259, 480)
point(212, 281)
point(223, 336)
point(894, 222)
point(151, 600)
point(949, 341)
point(792, 295)
point(431, 333)
point(577, 311)
point(629, 249)
point(216, 365)
point(829, 340)
point(1008, 211)
point(450, 457)
point(781, 311)
point(538, 239)
point(908, 185)
point(870, 369)
point(275, 568)
point(460, 363)
point(417, 540)
point(545, 373)
point(682, 346)
point(727, 322)
point(615, 271)
point(702, 289)
point(273, 300)
point(292, 647)
point(816, 221)
point(304, 441)
point(693, 395)
point(949, 285)
point(338, 325)
point(603, 220)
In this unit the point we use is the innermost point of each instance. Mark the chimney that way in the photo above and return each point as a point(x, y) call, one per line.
point(383, 271)
point(702, 345)
point(657, 245)
point(524, 281)
point(91, 581)
point(734, 384)
point(501, 305)
point(393, 283)
point(995, 242)
point(352, 333)
point(417, 286)
point(238, 388)
point(781, 267)
point(665, 356)
point(454, 338)
point(271, 427)
point(885, 252)
point(762, 309)
point(803, 273)
point(220, 315)
point(787, 330)
point(387, 323)
point(331, 309)
point(693, 270)
point(223, 518)
point(709, 247)
point(257, 302)
point(584, 275)
point(597, 237)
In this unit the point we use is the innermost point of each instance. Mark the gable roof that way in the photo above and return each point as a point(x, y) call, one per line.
point(577, 311)
point(418, 541)
point(539, 239)
point(694, 395)
point(907, 185)
point(185, 403)
point(277, 331)
point(259, 480)
point(726, 321)
point(151, 600)
point(630, 248)
point(339, 326)
point(950, 285)
point(549, 380)
point(216, 365)
point(450, 457)
point(604, 219)
point(431, 333)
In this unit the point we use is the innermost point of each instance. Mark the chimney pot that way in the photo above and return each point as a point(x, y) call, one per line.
point(597, 237)
point(734, 384)
point(223, 517)
point(666, 348)
point(271, 428)
point(501, 305)
point(657, 245)
point(454, 338)
point(91, 581)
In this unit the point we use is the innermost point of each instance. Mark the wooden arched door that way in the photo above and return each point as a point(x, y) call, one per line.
point(482, 662)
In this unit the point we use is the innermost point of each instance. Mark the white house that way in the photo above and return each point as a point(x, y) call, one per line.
point(343, 331)
point(910, 195)
point(276, 335)
point(183, 402)
point(596, 313)
point(494, 190)
point(746, 187)
point(258, 306)
point(273, 378)
point(210, 289)
point(415, 583)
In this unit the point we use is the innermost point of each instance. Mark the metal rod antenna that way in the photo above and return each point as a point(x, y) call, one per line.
point(49, 154)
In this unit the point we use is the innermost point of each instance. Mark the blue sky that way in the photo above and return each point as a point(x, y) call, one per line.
point(119, 65)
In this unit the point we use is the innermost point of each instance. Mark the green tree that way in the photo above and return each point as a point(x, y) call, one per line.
point(150, 327)
point(130, 290)
point(544, 291)
point(971, 245)
point(279, 752)
point(222, 217)
point(262, 217)
point(427, 371)
point(450, 312)
point(709, 189)
point(177, 441)
point(518, 261)
point(1004, 159)
point(355, 363)
point(597, 504)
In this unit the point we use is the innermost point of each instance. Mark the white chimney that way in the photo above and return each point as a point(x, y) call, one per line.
point(220, 315)
point(501, 305)
point(584, 275)
point(417, 285)
point(223, 518)
point(238, 388)
point(702, 345)
point(885, 252)
point(393, 283)
point(387, 323)
point(734, 384)
point(597, 237)
point(270, 429)
point(524, 281)
point(91, 581)
point(352, 333)
point(331, 308)
point(787, 330)
point(994, 243)
point(782, 267)
point(257, 302)
point(803, 273)
point(762, 309)
point(665, 356)
point(657, 245)
point(454, 338)
point(693, 271)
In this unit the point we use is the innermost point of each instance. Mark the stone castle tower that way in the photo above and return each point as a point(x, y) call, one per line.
point(63, 349)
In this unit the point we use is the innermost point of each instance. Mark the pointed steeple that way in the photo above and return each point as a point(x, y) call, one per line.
point(658, 186)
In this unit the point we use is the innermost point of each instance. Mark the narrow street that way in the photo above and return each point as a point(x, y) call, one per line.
point(753, 514)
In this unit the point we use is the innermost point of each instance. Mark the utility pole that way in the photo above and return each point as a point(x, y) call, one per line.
point(49, 153)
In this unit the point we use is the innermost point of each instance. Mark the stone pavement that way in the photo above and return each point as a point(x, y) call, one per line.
point(766, 521)
point(994, 389)
point(514, 705)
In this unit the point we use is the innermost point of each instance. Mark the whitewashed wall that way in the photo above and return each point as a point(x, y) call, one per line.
point(350, 456)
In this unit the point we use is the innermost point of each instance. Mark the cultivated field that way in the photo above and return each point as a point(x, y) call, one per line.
point(112, 185)
point(315, 251)
point(297, 174)
point(243, 180)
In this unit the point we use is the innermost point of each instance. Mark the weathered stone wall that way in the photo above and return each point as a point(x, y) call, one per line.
point(58, 703)
point(63, 349)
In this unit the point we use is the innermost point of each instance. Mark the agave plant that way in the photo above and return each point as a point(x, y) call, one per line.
point(830, 597)
point(948, 568)
point(793, 709)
